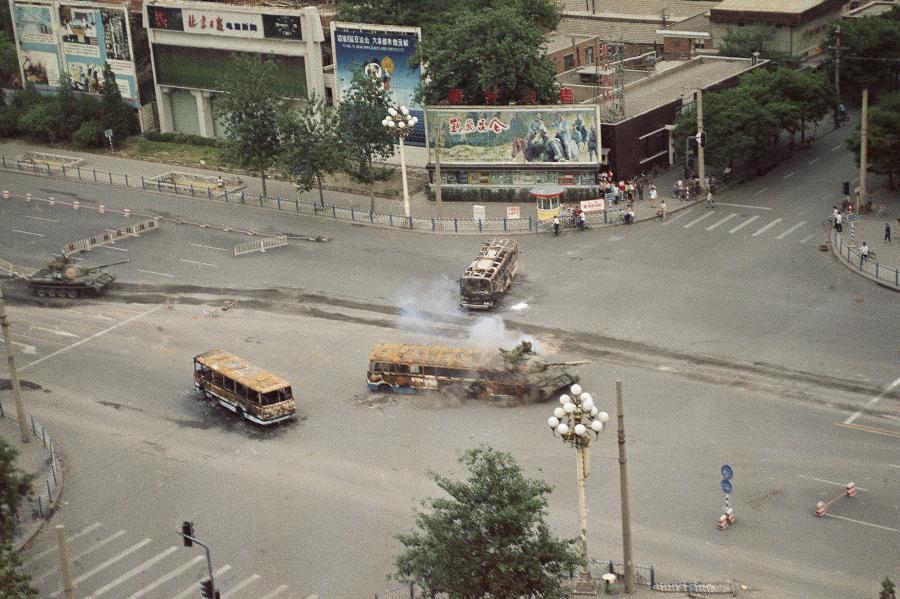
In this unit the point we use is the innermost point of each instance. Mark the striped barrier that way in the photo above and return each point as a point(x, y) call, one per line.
point(850, 490)
point(5, 194)
point(27, 197)
point(110, 236)
point(76, 205)
point(260, 245)
point(51, 200)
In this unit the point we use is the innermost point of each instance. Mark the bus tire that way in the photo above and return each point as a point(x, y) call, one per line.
point(475, 390)
point(385, 388)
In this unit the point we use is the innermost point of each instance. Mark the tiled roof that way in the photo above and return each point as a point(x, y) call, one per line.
point(784, 6)
point(611, 31)
point(675, 9)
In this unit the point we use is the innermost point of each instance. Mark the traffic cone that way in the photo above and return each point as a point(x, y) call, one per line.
point(723, 522)
point(851, 489)
point(821, 509)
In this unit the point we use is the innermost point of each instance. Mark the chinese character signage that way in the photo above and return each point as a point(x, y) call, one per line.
point(74, 38)
point(213, 21)
point(516, 134)
point(383, 52)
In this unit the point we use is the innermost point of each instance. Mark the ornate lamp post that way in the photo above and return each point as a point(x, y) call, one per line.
point(401, 123)
point(578, 421)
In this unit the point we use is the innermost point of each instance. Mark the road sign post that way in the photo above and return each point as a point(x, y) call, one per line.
point(728, 516)
point(109, 135)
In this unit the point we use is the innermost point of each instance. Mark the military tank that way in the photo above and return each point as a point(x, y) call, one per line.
point(63, 278)
point(542, 378)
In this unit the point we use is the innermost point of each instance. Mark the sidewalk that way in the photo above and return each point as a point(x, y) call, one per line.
point(34, 458)
point(420, 206)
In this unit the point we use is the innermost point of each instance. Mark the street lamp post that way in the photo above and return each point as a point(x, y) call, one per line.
point(400, 123)
point(577, 421)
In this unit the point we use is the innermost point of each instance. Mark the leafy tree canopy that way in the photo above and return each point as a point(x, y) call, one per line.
point(487, 538)
point(249, 108)
point(13, 583)
point(492, 49)
point(883, 138)
point(365, 139)
point(9, 61)
point(311, 144)
point(115, 113)
point(871, 53)
point(887, 589)
point(14, 485)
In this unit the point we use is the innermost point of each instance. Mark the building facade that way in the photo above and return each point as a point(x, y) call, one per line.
point(192, 44)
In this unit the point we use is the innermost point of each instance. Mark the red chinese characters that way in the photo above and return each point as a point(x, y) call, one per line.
point(458, 126)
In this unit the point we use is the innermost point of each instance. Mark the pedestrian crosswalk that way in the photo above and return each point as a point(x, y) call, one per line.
point(117, 564)
point(755, 226)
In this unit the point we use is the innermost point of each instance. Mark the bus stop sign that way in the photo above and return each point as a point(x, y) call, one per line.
point(727, 472)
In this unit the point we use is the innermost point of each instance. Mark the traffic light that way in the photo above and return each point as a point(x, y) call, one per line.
point(846, 188)
point(701, 139)
point(187, 533)
point(206, 589)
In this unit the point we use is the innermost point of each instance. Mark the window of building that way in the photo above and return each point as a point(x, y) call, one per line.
point(569, 62)
point(589, 55)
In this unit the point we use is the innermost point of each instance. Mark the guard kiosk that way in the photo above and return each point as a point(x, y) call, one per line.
point(547, 198)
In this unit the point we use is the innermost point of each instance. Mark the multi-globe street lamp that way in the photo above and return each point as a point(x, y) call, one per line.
point(578, 421)
point(400, 123)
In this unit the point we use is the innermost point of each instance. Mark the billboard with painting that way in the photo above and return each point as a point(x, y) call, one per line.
point(539, 135)
point(384, 52)
point(76, 39)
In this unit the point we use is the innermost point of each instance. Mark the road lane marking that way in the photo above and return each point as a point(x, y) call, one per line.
point(86, 552)
point(56, 331)
point(761, 191)
point(133, 572)
point(239, 586)
point(26, 349)
point(863, 523)
point(110, 247)
point(197, 263)
point(276, 592)
point(192, 590)
point(807, 238)
point(210, 247)
point(46, 220)
point(869, 429)
point(163, 579)
point(837, 147)
point(698, 219)
point(54, 547)
point(104, 565)
point(830, 482)
point(813, 161)
point(789, 175)
point(94, 336)
point(744, 205)
point(724, 220)
point(744, 224)
point(153, 272)
point(670, 218)
point(874, 400)
point(894, 465)
point(27, 233)
point(766, 228)
point(792, 229)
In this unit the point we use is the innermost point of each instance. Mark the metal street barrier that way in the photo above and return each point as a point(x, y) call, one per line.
point(260, 245)
point(110, 236)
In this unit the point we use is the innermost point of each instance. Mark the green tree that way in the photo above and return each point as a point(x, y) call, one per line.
point(883, 138)
point(887, 589)
point(792, 97)
point(426, 13)
point(115, 113)
point(37, 122)
point(14, 485)
point(497, 49)
point(310, 144)
point(14, 584)
point(9, 60)
point(488, 539)
point(365, 139)
point(744, 41)
point(68, 110)
point(249, 108)
point(871, 53)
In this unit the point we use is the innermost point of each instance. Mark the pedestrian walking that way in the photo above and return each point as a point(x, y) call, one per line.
point(556, 226)
point(834, 215)
point(710, 202)
point(640, 190)
point(653, 195)
point(863, 254)
point(663, 209)
point(887, 232)
point(838, 224)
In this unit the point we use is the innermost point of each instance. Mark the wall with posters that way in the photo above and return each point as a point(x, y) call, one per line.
point(75, 38)
point(193, 43)
point(384, 52)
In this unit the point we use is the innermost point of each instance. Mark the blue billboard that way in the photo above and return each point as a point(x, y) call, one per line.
point(384, 52)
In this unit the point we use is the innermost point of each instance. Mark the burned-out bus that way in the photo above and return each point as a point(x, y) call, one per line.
point(490, 275)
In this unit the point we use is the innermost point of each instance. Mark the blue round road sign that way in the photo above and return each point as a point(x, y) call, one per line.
point(726, 485)
point(727, 472)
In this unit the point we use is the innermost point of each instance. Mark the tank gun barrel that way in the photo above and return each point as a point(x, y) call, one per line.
point(93, 268)
point(569, 363)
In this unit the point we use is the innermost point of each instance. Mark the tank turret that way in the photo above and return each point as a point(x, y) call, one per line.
point(62, 277)
point(544, 378)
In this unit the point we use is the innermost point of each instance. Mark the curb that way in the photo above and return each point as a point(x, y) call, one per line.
point(851, 267)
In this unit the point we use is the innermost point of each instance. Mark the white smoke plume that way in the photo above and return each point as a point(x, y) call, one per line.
point(489, 332)
point(425, 305)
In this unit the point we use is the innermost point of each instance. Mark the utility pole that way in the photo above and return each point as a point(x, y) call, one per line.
point(837, 66)
point(13, 375)
point(623, 488)
point(68, 587)
point(438, 141)
point(863, 149)
point(701, 166)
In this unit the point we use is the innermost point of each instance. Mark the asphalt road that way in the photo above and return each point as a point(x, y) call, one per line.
point(737, 339)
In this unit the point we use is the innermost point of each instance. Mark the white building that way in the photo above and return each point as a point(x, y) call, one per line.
point(192, 43)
